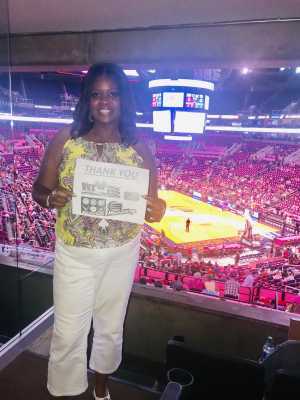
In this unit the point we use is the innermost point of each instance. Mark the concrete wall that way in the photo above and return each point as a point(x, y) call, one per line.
point(251, 44)
point(209, 324)
point(154, 315)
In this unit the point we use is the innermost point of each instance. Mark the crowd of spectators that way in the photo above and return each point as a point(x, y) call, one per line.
point(23, 220)
point(239, 182)
point(239, 179)
point(257, 281)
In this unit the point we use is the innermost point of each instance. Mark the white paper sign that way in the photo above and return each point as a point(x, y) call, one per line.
point(110, 191)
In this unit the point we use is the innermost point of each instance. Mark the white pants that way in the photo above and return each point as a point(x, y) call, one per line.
point(88, 284)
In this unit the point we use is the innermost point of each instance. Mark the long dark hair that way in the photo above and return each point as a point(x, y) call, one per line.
point(82, 124)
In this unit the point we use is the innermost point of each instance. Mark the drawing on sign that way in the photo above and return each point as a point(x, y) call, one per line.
point(90, 205)
point(110, 191)
point(115, 208)
point(102, 207)
point(100, 189)
point(132, 196)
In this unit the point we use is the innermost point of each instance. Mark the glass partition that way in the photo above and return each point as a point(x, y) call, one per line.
point(9, 285)
point(210, 146)
point(34, 228)
point(34, 225)
point(26, 230)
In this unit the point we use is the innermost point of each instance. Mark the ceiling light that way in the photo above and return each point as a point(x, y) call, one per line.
point(195, 83)
point(131, 72)
point(245, 71)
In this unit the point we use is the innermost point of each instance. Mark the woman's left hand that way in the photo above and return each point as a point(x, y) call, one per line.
point(155, 209)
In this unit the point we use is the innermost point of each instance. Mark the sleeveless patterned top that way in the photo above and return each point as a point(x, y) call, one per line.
point(83, 231)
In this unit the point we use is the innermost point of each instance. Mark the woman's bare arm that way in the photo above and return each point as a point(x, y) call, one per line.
point(47, 179)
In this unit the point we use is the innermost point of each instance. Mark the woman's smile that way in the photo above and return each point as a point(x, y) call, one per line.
point(105, 101)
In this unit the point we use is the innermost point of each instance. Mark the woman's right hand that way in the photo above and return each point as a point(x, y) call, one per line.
point(59, 197)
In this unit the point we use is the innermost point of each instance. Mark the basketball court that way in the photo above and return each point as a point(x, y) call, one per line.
point(208, 223)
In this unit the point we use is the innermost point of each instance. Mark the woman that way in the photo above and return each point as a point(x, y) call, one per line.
point(95, 259)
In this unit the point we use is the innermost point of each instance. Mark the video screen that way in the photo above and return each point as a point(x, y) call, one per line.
point(162, 121)
point(189, 122)
point(173, 99)
point(194, 100)
point(156, 100)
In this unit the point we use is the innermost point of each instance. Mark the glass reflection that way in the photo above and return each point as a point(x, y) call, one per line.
point(8, 276)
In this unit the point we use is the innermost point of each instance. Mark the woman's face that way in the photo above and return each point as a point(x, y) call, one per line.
point(105, 105)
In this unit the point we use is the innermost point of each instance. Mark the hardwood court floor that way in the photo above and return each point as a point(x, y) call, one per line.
point(208, 223)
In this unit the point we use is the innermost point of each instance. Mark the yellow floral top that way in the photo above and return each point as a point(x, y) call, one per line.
point(83, 231)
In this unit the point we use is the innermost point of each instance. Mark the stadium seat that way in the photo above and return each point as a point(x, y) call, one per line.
point(285, 357)
point(216, 374)
point(284, 384)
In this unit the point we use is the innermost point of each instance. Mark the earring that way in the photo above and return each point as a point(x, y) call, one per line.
point(91, 118)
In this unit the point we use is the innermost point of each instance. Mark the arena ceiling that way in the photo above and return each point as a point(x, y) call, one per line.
point(35, 16)
point(47, 53)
